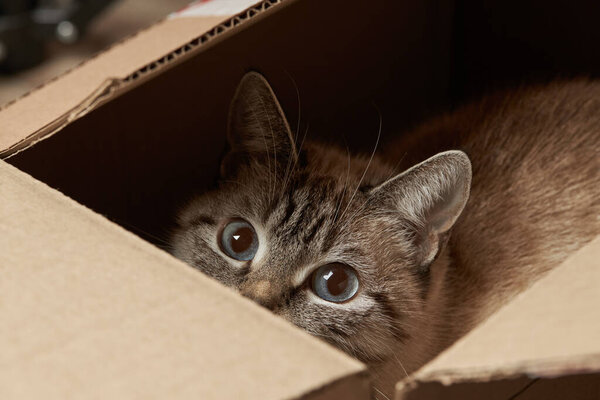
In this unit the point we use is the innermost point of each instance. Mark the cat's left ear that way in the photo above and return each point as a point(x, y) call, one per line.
point(258, 128)
point(431, 196)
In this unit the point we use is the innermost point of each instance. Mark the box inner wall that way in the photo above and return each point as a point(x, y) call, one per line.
point(139, 157)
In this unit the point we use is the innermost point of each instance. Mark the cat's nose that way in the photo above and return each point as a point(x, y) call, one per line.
point(261, 292)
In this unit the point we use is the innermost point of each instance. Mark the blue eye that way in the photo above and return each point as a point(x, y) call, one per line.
point(238, 240)
point(335, 282)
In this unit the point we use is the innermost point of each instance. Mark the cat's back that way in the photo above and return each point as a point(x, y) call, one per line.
point(511, 126)
point(535, 194)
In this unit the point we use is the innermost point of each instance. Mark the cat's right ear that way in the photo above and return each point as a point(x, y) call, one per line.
point(257, 129)
point(431, 196)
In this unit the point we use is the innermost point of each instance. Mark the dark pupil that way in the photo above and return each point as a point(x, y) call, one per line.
point(241, 239)
point(337, 281)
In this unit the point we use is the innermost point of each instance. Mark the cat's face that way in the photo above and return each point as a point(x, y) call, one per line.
point(304, 251)
point(337, 245)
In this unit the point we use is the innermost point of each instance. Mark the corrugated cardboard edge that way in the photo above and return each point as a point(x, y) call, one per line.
point(113, 87)
point(94, 100)
point(354, 382)
point(551, 368)
point(577, 364)
point(81, 63)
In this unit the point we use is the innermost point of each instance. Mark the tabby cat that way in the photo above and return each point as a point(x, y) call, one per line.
point(392, 264)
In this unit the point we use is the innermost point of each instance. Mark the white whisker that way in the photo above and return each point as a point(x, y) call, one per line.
point(401, 365)
point(274, 183)
point(289, 176)
point(368, 164)
point(337, 209)
point(395, 169)
point(288, 168)
point(381, 393)
point(265, 143)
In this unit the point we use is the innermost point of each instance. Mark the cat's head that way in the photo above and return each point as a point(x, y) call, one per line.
point(338, 245)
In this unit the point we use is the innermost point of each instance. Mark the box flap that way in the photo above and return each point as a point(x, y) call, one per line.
point(88, 310)
point(550, 331)
point(118, 69)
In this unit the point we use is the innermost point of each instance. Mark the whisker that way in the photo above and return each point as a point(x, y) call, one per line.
point(297, 98)
point(265, 143)
point(370, 160)
point(401, 365)
point(397, 359)
point(395, 169)
point(286, 182)
point(359, 209)
point(271, 189)
point(381, 393)
point(287, 174)
point(339, 205)
point(303, 139)
point(289, 163)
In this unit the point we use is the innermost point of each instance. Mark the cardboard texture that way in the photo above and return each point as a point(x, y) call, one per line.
point(93, 81)
point(547, 340)
point(94, 77)
point(88, 310)
point(160, 140)
point(312, 56)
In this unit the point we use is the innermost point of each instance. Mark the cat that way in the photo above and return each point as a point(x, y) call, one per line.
point(392, 264)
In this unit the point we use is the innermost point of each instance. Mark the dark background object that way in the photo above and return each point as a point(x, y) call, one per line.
point(500, 44)
point(26, 25)
point(152, 148)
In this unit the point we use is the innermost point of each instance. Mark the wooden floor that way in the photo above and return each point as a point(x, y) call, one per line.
point(123, 18)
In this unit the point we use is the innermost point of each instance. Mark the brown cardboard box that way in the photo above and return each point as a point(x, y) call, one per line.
point(545, 344)
point(89, 310)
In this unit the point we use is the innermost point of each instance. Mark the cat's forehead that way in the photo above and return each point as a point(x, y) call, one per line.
point(304, 200)
point(311, 213)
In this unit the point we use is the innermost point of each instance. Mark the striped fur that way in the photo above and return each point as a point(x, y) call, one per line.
point(534, 199)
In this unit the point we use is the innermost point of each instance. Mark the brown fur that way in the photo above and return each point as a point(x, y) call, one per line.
point(535, 195)
point(534, 198)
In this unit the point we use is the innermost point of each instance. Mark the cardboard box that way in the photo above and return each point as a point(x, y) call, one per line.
point(545, 344)
point(89, 310)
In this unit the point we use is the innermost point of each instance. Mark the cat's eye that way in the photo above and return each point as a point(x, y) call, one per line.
point(334, 282)
point(238, 240)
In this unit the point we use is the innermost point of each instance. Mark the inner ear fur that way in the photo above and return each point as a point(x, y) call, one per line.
point(257, 126)
point(431, 195)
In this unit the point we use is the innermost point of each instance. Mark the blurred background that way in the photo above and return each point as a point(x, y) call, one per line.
point(40, 39)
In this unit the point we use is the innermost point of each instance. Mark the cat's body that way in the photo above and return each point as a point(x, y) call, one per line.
point(426, 271)
point(535, 194)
